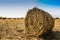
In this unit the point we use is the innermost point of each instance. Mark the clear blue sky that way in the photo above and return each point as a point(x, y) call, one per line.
point(19, 8)
point(50, 2)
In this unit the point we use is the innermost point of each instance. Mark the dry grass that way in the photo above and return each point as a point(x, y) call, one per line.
point(14, 29)
point(57, 25)
point(11, 28)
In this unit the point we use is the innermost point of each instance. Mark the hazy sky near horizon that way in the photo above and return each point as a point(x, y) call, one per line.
point(19, 8)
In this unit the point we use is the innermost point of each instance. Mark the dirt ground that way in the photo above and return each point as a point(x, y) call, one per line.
point(14, 29)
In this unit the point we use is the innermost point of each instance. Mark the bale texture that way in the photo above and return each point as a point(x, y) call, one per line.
point(38, 22)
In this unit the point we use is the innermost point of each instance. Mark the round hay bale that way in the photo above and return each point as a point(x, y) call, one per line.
point(38, 22)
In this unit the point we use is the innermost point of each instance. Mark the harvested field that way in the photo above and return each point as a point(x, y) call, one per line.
point(14, 29)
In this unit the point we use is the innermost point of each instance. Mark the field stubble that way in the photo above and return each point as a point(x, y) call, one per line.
point(11, 29)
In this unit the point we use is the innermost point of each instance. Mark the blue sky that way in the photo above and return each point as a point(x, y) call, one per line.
point(50, 2)
point(19, 8)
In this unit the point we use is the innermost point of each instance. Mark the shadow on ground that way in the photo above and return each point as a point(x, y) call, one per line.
point(51, 36)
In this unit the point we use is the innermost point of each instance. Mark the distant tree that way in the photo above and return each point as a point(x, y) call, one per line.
point(22, 17)
point(0, 17)
point(3, 18)
point(57, 17)
point(14, 18)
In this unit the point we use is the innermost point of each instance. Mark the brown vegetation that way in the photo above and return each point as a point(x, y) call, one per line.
point(11, 29)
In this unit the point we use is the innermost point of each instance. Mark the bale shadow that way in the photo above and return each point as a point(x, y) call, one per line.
point(57, 35)
point(51, 36)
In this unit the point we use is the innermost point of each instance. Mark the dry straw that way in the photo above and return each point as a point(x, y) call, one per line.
point(38, 22)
